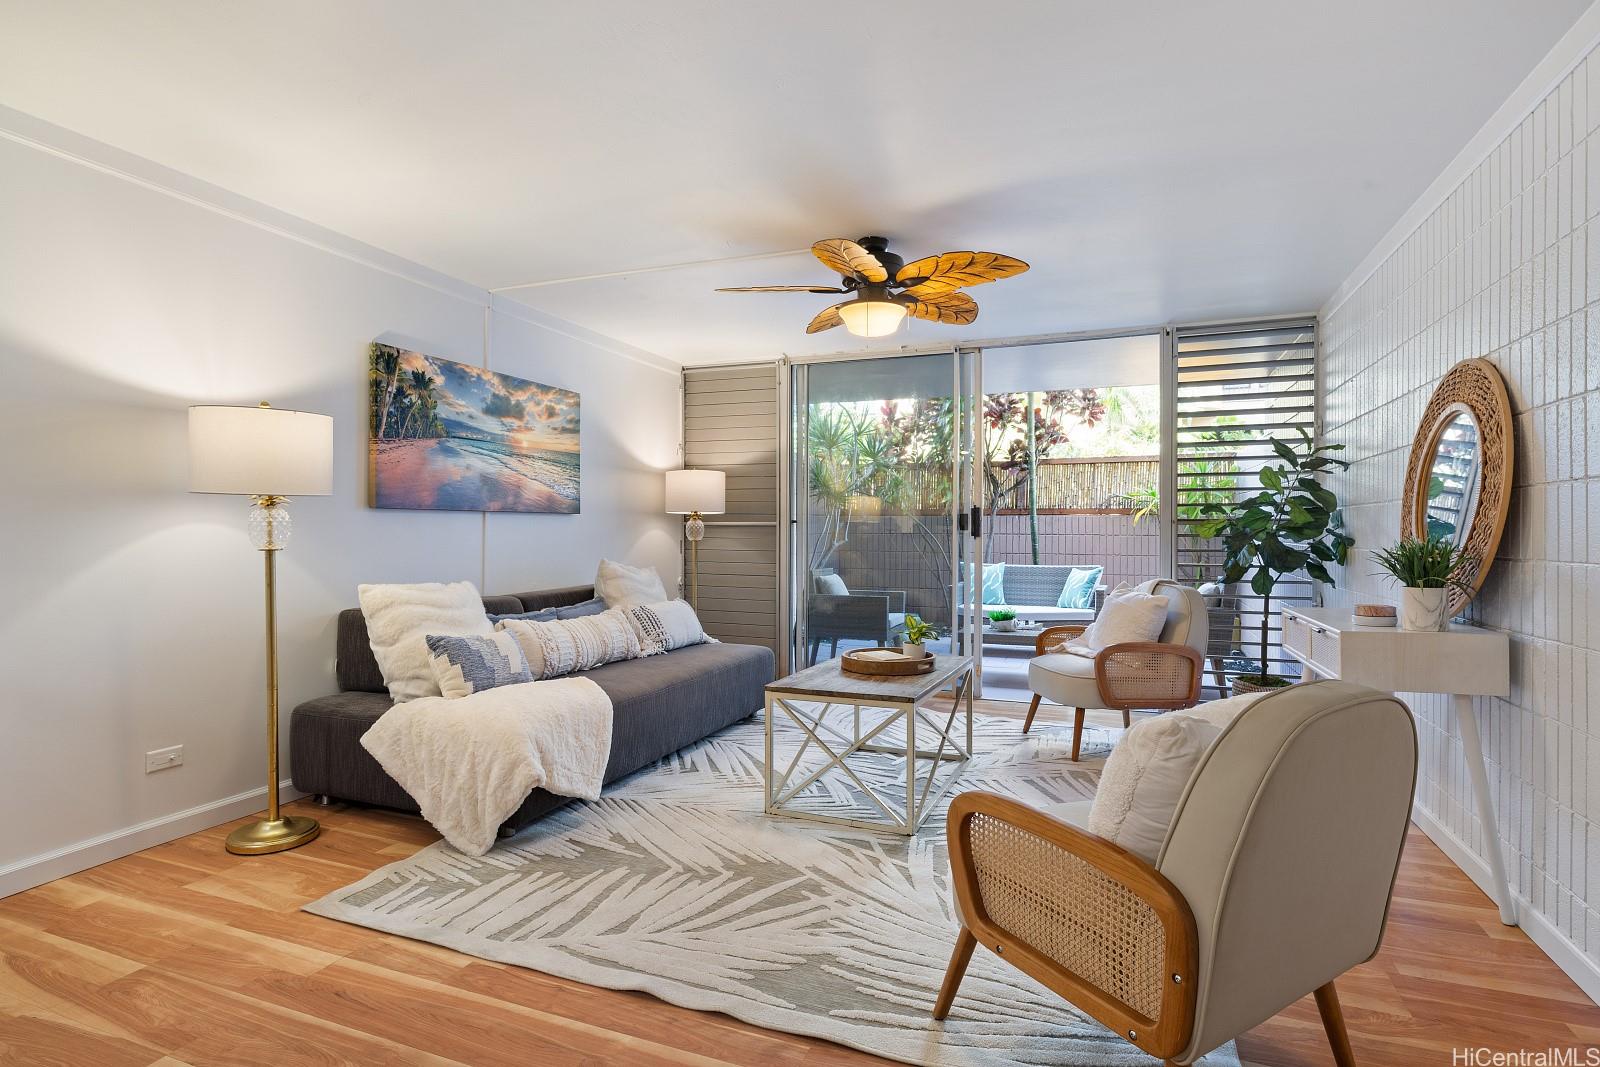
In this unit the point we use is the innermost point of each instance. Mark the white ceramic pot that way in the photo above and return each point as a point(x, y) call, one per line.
point(1005, 626)
point(909, 649)
point(1423, 609)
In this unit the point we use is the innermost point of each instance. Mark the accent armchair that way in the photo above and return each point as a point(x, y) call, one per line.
point(1164, 674)
point(1273, 880)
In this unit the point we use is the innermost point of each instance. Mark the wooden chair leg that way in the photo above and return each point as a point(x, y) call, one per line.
point(965, 943)
point(1126, 721)
point(1333, 1022)
point(1077, 732)
point(1033, 709)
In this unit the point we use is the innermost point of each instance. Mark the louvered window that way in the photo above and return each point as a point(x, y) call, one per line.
point(1235, 389)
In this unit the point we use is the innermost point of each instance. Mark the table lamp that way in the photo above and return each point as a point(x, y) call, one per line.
point(696, 493)
point(268, 454)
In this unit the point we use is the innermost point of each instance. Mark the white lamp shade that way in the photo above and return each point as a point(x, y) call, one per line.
point(872, 318)
point(260, 451)
point(702, 491)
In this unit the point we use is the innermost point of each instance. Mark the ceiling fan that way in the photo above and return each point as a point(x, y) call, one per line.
point(886, 288)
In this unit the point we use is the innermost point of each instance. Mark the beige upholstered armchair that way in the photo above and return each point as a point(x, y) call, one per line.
point(1162, 674)
point(1273, 880)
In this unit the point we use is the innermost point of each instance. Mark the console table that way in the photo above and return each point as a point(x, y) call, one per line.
point(1463, 661)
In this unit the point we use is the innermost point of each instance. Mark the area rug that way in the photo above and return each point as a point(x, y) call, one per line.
point(676, 884)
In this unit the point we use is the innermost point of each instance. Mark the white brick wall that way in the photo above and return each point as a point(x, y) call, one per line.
point(1507, 267)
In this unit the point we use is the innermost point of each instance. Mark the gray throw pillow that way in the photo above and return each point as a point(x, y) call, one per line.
point(542, 615)
point(581, 610)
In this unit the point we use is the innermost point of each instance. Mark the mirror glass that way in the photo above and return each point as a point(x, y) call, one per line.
point(1455, 475)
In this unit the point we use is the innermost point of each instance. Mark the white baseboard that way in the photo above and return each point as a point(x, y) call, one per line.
point(1540, 930)
point(48, 866)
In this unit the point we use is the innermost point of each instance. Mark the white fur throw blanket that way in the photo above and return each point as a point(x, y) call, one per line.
point(469, 763)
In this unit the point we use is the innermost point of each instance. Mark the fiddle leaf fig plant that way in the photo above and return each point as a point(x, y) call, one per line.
point(1291, 526)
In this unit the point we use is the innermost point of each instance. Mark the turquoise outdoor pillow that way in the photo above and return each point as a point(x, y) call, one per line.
point(994, 593)
point(1079, 590)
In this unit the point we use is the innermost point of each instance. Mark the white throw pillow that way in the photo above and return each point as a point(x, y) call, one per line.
point(664, 627)
point(1145, 775)
point(622, 586)
point(1128, 615)
point(399, 620)
point(566, 645)
point(466, 665)
point(832, 585)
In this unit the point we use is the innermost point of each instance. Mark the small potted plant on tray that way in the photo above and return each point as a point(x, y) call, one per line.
point(1004, 619)
point(918, 634)
point(1424, 569)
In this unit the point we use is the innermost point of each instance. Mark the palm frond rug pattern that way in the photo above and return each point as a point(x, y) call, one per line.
point(676, 884)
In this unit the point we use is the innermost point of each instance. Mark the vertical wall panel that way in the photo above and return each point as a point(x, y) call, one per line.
point(730, 423)
point(1507, 267)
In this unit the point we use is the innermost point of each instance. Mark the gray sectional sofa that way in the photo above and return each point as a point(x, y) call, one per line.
point(659, 705)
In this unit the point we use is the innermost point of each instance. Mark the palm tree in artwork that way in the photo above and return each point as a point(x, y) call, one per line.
point(419, 420)
point(386, 372)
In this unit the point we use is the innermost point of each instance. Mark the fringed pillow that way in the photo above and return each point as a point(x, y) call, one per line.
point(666, 626)
point(567, 645)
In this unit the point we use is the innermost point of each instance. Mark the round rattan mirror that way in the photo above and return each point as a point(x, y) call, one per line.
point(1458, 480)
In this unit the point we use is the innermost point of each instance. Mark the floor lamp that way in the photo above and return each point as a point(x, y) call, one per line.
point(696, 493)
point(268, 454)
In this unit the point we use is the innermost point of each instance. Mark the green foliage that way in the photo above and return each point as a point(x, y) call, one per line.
point(917, 631)
point(1423, 564)
point(1002, 615)
point(1291, 526)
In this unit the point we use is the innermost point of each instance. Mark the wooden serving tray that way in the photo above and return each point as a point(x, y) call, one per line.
point(851, 661)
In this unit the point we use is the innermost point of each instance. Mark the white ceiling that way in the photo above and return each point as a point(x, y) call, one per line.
point(1162, 161)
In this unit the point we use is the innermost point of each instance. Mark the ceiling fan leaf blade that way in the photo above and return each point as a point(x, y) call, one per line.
point(844, 256)
point(949, 271)
point(951, 308)
point(782, 289)
point(826, 319)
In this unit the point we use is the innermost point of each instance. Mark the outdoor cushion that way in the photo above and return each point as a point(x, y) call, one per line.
point(994, 584)
point(1078, 592)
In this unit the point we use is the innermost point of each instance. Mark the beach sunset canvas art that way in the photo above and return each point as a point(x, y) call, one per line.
point(449, 436)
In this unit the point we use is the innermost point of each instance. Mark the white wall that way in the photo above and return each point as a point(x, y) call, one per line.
point(130, 610)
point(1502, 261)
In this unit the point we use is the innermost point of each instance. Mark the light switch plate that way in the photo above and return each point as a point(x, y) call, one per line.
point(163, 758)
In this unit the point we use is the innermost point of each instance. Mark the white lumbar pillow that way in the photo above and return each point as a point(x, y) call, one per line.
point(622, 586)
point(1128, 616)
point(562, 646)
point(1145, 775)
point(666, 626)
point(399, 620)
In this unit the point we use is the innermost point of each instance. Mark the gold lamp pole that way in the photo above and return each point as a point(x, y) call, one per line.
point(243, 451)
point(696, 493)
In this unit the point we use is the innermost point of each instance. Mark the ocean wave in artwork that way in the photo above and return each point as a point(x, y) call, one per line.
point(465, 474)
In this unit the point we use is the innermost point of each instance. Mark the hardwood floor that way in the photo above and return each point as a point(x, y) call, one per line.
point(183, 954)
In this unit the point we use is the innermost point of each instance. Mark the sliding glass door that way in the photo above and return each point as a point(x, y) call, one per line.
point(881, 485)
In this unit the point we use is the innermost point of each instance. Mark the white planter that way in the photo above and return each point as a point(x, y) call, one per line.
point(909, 649)
point(1005, 626)
point(1423, 609)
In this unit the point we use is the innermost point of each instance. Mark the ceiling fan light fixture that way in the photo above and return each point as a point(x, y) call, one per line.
point(872, 318)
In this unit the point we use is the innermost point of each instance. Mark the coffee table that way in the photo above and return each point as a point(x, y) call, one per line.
point(845, 716)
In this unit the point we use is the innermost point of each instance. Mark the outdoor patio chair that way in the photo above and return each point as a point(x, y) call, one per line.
point(874, 615)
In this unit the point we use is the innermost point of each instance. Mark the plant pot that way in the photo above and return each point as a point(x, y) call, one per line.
point(1424, 609)
point(1251, 683)
point(1005, 626)
point(908, 649)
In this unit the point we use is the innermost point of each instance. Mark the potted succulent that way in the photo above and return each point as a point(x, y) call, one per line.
point(1004, 619)
point(918, 634)
point(1423, 568)
point(1292, 525)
